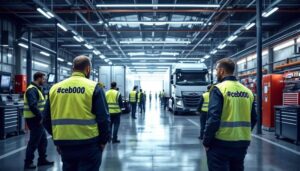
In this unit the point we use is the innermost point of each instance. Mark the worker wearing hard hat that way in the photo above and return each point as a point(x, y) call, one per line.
point(231, 117)
point(76, 115)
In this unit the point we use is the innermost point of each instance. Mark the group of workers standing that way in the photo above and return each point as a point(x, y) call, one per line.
point(82, 118)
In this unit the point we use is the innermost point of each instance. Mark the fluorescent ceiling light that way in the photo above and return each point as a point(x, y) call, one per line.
point(202, 60)
point(23, 45)
point(213, 51)
point(69, 63)
point(169, 53)
point(102, 56)
point(284, 45)
point(50, 14)
point(9, 55)
point(159, 5)
point(232, 38)
point(206, 56)
point(44, 53)
point(43, 13)
point(74, 32)
point(106, 60)
point(108, 46)
point(62, 27)
point(221, 46)
point(78, 38)
point(116, 53)
point(270, 12)
point(249, 26)
point(100, 22)
point(96, 52)
point(154, 22)
point(40, 64)
point(155, 42)
point(110, 63)
point(60, 59)
point(88, 46)
point(136, 53)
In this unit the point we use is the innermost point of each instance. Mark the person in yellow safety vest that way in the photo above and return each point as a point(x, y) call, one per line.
point(77, 117)
point(203, 109)
point(231, 118)
point(34, 103)
point(115, 103)
point(141, 101)
point(133, 97)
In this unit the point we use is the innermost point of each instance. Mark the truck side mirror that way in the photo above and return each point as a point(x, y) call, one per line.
point(171, 79)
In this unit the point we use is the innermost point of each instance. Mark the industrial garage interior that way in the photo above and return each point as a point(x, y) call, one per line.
point(169, 49)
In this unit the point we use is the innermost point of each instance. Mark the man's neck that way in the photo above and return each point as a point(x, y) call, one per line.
point(36, 83)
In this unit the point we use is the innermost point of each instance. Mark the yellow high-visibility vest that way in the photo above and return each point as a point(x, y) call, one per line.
point(132, 96)
point(41, 103)
point(71, 109)
point(205, 102)
point(112, 98)
point(236, 114)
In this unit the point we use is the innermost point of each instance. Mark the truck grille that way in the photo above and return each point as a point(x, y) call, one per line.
point(191, 101)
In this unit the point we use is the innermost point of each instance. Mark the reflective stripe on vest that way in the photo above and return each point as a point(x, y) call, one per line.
point(205, 102)
point(236, 114)
point(112, 98)
point(71, 109)
point(132, 96)
point(41, 103)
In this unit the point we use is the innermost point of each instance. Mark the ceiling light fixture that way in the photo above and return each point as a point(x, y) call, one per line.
point(69, 63)
point(249, 26)
point(78, 38)
point(62, 27)
point(43, 13)
point(221, 46)
point(270, 12)
point(50, 14)
point(96, 52)
point(136, 53)
point(155, 42)
point(232, 38)
point(23, 45)
point(102, 56)
point(60, 59)
point(88, 46)
point(169, 53)
point(159, 5)
point(154, 22)
point(206, 56)
point(44, 53)
point(213, 51)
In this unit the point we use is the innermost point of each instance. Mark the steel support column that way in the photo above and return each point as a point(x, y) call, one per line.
point(56, 55)
point(212, 70)
point(29, 57)
point(259, 65)
point(271, 60)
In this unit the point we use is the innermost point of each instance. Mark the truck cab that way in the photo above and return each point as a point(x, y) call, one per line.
point(189, 83)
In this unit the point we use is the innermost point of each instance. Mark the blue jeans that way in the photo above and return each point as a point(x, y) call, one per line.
point(37, 141)
point(115, 124)
point(81, 158)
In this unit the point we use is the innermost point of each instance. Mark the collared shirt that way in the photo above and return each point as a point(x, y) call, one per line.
point(214, 119)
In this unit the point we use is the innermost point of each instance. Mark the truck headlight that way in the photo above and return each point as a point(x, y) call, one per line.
point(179, 102)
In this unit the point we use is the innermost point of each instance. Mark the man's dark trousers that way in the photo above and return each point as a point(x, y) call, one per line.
point(115, 124)
point(226, 159)
point(203, 118)
point(81, 157)
point(133, 109)
point(37, 141)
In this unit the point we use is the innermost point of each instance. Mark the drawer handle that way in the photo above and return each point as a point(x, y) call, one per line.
point(288, 119)
point(289, 123)
point(7, 118)
point(10, 122)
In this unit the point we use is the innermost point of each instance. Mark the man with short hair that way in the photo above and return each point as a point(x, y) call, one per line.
point(115, 103)
point(231, 117)
point(141, 101)
point(133, 98)
point(34, 102)
point(76, 115)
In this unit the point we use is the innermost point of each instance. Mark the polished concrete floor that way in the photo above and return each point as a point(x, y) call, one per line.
point(160, 141)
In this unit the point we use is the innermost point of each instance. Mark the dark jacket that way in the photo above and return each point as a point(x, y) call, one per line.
point(32, 96)
point(214, 119)
point(99, 108)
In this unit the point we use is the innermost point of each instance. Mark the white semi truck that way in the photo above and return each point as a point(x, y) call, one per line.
point(189, 83)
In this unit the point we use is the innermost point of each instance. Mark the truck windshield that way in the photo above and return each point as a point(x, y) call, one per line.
point(191, 78)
